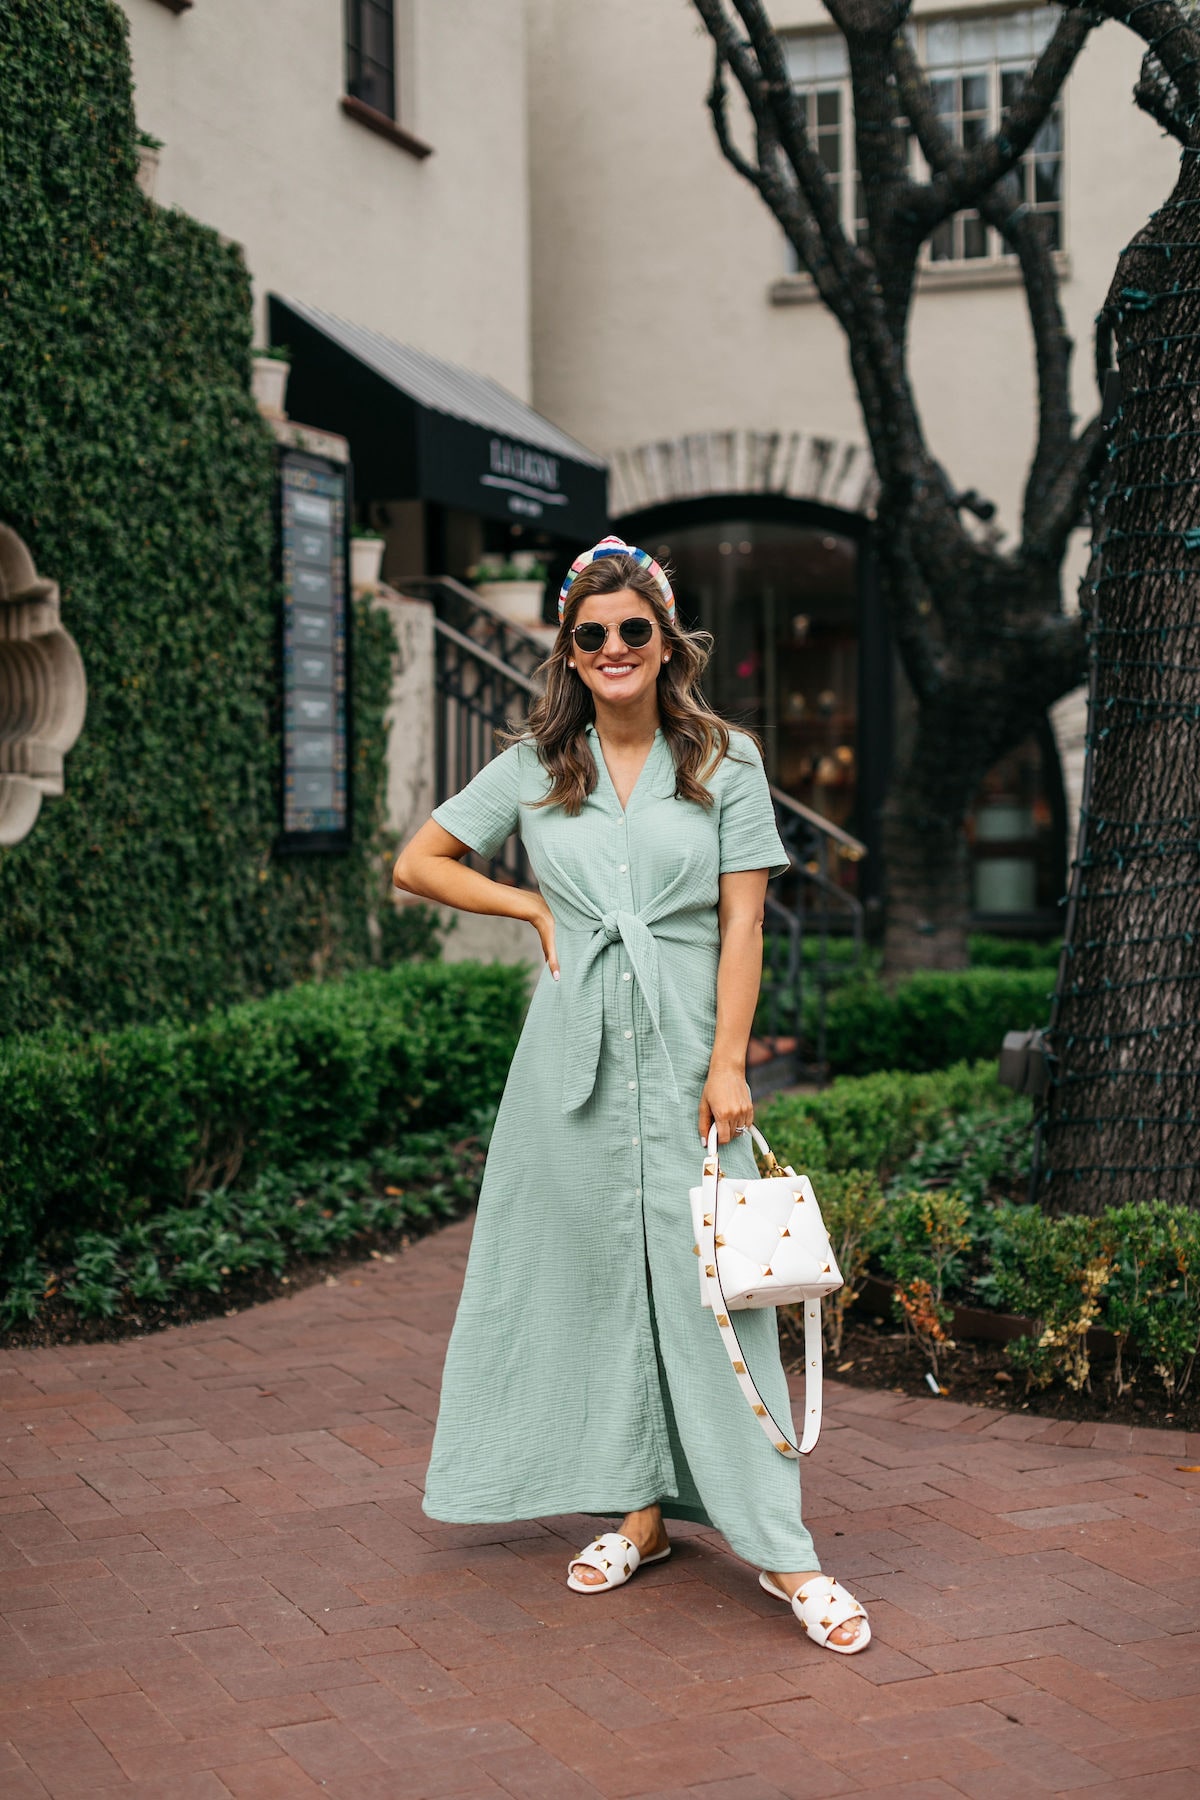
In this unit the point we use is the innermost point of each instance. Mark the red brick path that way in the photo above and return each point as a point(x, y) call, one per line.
point(216, 1580)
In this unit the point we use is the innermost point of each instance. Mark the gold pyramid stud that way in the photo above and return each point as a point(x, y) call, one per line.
point(739, 1368)
point(695, 1249)
point(708, 1218)
point(709, 1271)
point(722, 1320)
point(761, 1411)
point(719, 1242)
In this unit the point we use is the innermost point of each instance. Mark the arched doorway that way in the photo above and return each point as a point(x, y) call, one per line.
point(801, 652)
point(769, 533)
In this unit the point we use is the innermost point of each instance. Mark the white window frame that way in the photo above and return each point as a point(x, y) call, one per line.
point(954, 46)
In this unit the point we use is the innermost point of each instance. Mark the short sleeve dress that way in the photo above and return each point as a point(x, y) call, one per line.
point(583, 1375)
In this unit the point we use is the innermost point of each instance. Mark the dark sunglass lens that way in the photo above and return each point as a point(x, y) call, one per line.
point(590, 637)
point(636, 632)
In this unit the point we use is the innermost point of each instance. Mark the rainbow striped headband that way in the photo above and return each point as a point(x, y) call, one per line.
point(613, 546)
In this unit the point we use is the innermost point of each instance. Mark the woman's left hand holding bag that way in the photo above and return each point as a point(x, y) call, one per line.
point(726, 1099)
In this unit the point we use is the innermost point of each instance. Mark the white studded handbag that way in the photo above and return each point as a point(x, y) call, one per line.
point(762, 1242)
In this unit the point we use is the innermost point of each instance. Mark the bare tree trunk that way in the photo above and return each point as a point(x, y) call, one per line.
point(928, 886)
point(980, 632)
point(1124, 1119)
point(992, 692)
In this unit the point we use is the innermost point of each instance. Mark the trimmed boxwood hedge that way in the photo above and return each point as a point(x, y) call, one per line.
point(932, 1019)
point(135, 466)
point(97, 1131)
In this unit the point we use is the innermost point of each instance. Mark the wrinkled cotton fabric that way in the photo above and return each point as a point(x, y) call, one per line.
point(583, 1375)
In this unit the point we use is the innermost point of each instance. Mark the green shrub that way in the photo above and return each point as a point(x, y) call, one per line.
point(97, 1132)
point(924, 1250)
point(268, 1225)
point(139, 473)
point(852, 1206)
point(1053, 1271)
point(1152, 1299)
point(875, 1121)
point(982, 1153)
point(931, 1018)
point(986, 952)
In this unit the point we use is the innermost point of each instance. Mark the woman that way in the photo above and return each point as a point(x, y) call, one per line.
point(583, 1375)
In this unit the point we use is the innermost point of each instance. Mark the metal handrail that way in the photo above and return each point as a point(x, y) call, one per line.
point(852, 848)
point(459, 605)
point(513, 676)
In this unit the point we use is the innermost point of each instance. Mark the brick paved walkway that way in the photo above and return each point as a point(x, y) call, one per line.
point(215, 1580)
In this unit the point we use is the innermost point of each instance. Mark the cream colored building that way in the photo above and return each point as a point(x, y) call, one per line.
point(671, 333)
point(421, 232)
point(530, 191)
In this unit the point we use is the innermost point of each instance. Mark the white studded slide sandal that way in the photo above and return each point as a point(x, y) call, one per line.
point(822, 1604)
point(615, 1557)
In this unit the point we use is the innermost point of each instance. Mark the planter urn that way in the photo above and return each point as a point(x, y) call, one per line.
point(519, 601)
point(366, 560)
point(268, 384)
point(147, 169)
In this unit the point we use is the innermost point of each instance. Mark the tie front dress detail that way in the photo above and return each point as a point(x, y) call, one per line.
point(582, 1374)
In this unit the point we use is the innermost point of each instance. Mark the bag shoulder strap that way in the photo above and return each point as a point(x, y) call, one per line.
point(729, 1337)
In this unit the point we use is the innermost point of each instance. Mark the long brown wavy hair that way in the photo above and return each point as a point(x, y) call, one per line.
point(559, 718)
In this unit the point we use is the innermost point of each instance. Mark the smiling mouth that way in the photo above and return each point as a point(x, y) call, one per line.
point(614, 669)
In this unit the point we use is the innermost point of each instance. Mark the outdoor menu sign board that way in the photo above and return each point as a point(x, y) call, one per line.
point(313, 529)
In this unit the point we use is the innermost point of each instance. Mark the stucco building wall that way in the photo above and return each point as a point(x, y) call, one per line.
point(654, 263)
point(654, 268)
point(432, 251)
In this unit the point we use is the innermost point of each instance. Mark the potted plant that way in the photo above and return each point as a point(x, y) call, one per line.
point(514, 585)
point(366, 559)
point(148, 149)
point(269, 370)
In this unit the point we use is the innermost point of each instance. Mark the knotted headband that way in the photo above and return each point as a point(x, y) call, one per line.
point(613, 546)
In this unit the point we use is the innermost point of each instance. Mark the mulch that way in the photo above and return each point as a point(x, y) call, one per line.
point(875, 1354)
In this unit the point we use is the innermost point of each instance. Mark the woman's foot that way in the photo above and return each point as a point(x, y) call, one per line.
point(644, 1528)
point(844, 1635)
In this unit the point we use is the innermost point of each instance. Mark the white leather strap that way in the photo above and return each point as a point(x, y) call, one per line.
point(729, 1337)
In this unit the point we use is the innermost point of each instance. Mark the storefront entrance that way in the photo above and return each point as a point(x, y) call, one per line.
point(803, 657)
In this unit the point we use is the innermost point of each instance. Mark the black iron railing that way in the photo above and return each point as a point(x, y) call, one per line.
point(485, 675)
point(464, 609)
point(805, 913)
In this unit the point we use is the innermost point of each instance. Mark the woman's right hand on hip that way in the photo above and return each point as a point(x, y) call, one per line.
point(542, 920)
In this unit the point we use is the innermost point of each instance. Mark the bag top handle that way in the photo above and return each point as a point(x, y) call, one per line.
point(764, 1148)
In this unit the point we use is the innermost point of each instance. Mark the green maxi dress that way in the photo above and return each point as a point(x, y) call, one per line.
point(583, 1374)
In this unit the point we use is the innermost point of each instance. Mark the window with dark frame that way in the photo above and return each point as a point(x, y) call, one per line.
point(371, 54)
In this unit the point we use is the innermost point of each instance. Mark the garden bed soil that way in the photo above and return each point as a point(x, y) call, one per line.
point(876, 1354)
point(59, 1322)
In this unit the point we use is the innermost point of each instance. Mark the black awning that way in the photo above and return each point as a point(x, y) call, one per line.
point(423, 429)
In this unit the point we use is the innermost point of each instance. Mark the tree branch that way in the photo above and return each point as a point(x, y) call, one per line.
point(1062, 506)
point(782, 197)
point(965, 175)
point(1173, 40)
point(782, 125)
point(1154, 98)
point(891, 197)
point(1053, 347)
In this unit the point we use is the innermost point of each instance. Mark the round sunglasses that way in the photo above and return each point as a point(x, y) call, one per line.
point(592, 636)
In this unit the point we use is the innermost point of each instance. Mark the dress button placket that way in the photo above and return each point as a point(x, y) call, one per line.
point(625, 899)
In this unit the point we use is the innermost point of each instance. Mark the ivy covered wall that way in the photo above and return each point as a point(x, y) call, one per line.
point(136, 468)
